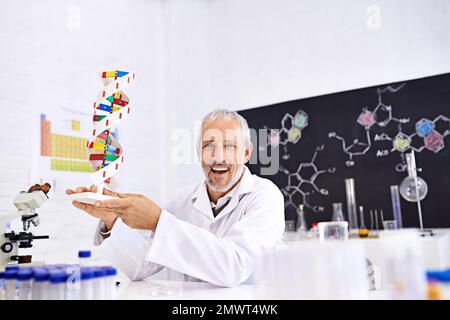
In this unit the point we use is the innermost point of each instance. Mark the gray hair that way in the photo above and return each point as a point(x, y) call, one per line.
point(227, 115)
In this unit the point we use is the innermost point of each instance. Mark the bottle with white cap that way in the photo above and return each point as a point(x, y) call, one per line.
point(84, 257)
point(110, 282)
point(87, 288)
point(24, 277)
point(39, 290)
point(57, 287)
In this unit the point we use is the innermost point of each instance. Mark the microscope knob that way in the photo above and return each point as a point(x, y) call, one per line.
point(7, 247)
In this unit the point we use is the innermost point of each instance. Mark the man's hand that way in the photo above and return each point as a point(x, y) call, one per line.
point(106, 215)
point(135, 210)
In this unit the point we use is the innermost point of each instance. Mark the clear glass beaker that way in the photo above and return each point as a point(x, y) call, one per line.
point(332, 231)
point(290, 230)
point(390, 225)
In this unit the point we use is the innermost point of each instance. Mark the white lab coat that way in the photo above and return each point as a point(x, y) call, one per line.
point(188, 239)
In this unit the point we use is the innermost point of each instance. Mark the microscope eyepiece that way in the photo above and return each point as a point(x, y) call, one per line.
point(44, 187)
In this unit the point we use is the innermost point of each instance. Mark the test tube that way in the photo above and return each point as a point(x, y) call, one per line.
point(396, 209)
point(24, 277)
point(10, 284)
point(87, 289)
point(39, 290)
point(361, 218)
point(110, 279)
point(351, 206)
point(376, 219)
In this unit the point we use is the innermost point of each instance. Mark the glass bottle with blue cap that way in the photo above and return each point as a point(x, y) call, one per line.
point(57, 287)
point(24, 277)
point(41, 279)
point(10, 277)
point(84, 257)
point(87, 288)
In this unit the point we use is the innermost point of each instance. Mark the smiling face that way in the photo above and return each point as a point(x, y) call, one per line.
point(223, 153)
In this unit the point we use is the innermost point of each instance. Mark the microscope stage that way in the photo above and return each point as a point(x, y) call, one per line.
point(89, 197)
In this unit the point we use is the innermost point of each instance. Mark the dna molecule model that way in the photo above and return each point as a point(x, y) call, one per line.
point(111, 107)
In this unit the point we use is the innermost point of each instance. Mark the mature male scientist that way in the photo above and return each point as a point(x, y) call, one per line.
point(212, 231)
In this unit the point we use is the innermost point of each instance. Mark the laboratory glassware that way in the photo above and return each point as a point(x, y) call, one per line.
point(351, 206)
point(334, 230)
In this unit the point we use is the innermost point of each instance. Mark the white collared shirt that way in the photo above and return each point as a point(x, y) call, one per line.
point(191, 241)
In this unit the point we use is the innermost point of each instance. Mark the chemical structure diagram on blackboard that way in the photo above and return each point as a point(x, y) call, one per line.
point(302, 183)
point(425, 137)
point(290, 132)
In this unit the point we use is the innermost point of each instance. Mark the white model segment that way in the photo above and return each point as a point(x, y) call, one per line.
point(89, 197)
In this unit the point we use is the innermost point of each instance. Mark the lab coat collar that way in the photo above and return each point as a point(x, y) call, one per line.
point(202, 202)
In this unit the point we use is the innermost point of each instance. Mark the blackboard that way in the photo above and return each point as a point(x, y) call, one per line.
point(416, 111)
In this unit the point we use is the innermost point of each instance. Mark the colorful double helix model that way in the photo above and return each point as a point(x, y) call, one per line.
point(111, 107)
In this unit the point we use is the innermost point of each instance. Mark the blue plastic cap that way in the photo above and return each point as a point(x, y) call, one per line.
point(99, 272)
point(110, 271)
point(52, 270)
point(61, 266)
point(49, 267)
point(41, 275)
point(12, 268)
point(57, 277)
point(84, 254)
point(10, 274)
point(87, 273)
point(441, 276)
point(24, 274)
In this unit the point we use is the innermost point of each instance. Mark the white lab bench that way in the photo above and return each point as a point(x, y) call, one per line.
point(168, 289)
point(182, 290)
point(436, 250)
point(436, 253)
